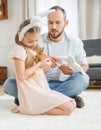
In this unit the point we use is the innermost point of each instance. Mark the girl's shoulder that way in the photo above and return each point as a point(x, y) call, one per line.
point(18, 51)
point(18, 48)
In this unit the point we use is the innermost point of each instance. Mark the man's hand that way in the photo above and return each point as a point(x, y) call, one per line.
point(54, 61)
point(66, 69)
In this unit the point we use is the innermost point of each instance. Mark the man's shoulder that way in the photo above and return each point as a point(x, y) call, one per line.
point(73, 38)
point(43, 39)
point(44, 36)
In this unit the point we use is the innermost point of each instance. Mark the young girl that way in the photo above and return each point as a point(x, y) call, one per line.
point(35, 96)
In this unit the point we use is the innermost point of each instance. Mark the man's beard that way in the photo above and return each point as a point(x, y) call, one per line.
point(57, 36)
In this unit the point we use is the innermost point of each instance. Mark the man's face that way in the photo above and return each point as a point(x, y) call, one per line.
point(56, 24)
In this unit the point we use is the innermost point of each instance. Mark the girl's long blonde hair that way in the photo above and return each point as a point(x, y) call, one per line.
point(31, 59)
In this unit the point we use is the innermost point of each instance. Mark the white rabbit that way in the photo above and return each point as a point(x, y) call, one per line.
point(71, 62)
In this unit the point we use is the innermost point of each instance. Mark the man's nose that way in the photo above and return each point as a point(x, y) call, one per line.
point(53, 25)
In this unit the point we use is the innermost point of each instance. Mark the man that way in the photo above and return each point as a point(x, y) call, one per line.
point(57, 44)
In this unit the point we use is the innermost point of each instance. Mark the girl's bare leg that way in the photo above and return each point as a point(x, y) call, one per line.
point(65, 109)
point(15, 110)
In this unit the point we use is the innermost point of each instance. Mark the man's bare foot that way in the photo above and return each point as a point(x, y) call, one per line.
point(15, 110)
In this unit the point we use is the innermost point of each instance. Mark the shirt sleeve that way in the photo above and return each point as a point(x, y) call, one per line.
point(18, 52)
point(80, 54)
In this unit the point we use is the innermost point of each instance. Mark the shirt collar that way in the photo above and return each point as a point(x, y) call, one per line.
point(68, 37)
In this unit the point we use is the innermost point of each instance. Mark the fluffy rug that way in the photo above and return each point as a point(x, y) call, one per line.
point(87, 118)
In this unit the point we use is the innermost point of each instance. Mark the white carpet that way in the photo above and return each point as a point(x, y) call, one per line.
point(87, 118)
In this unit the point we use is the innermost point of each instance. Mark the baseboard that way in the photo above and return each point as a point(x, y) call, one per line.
point(94, 87)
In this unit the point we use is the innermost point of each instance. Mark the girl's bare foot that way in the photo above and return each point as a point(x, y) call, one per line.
point(15, 110)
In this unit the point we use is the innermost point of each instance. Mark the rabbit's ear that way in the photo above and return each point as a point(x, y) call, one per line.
point(42, 49)
point(70, 59)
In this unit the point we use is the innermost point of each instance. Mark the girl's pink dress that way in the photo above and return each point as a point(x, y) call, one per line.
point(34, 94)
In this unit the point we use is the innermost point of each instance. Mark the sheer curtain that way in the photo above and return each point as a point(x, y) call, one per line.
point(89, 12)
point(84, 15)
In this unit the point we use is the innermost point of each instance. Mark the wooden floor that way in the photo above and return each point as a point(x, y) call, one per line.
point(1, 90)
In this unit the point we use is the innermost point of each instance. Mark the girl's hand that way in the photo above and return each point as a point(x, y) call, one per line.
point(46, 64)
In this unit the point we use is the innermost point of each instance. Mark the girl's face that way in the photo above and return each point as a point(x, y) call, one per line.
point(30, 39)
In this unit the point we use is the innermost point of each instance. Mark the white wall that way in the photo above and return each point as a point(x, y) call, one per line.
point(8, 30)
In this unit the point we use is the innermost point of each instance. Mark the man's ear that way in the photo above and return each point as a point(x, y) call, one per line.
point(66, 23)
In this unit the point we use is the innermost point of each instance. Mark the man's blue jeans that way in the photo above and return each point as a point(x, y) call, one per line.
point(72, 87)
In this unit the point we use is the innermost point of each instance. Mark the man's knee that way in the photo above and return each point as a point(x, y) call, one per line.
point(10, 87)
point(85, 81)
point(76, 84)
point(81, 80)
